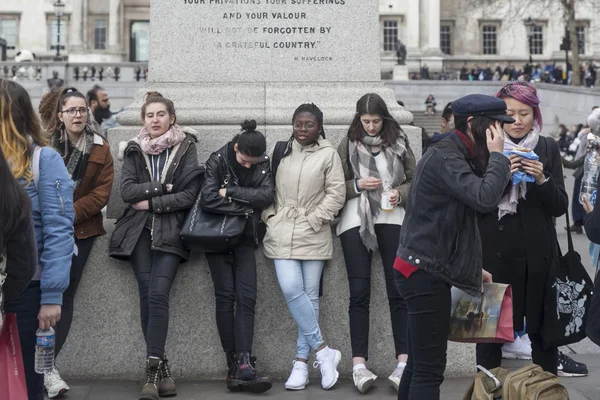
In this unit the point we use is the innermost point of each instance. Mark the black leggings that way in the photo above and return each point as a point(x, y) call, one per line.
point(62, 328)
point(358, 264)
point(234, 278)
point(155, 272)
point(429, 302)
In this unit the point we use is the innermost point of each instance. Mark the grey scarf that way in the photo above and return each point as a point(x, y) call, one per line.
point(364, 166)
point(80, 153)
point(510, 200)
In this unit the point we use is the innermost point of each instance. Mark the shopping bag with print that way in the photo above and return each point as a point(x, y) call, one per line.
point(487, 318)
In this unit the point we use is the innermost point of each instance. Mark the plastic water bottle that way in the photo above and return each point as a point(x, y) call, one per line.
point(589, 182)
point(44, 350)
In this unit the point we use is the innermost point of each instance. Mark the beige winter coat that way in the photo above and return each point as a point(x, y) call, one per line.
point(310, 191)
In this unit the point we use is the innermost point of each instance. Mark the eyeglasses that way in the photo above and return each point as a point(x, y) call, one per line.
point(71, 112)
point(308, 126)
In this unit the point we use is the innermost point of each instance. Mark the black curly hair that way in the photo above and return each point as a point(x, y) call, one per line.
point(314, 110)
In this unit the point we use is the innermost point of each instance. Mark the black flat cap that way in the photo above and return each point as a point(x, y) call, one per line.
point(481, 105)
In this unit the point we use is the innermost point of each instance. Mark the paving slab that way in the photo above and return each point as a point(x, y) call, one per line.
point(586, 388)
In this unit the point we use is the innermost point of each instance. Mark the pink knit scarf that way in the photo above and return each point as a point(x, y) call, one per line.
point(170, 138)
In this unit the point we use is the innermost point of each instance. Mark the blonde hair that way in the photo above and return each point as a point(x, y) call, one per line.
point(19, 128)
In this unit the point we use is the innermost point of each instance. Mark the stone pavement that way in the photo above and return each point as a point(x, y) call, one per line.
point(587, 388)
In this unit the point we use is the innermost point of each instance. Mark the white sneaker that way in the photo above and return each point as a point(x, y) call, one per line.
point(299, 377)
point(363, 379)
point(520, 349)
point(396, 377)
point(54, 384)
point(328, 359)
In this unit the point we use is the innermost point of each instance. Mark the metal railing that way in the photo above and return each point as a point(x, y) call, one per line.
point(72, 73)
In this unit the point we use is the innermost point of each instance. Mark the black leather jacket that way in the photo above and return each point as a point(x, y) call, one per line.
point(240, 200)
point(440, 233)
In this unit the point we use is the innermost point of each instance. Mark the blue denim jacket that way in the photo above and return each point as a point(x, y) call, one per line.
point(440, 233)
point(53, 215)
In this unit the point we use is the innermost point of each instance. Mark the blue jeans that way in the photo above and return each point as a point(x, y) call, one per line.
point(27, 308)
point(299, 282)
point(595, 256)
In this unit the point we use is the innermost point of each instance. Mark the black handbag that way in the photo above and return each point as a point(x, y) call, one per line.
point(568, 298)
point(210, 232)
point(593, 326)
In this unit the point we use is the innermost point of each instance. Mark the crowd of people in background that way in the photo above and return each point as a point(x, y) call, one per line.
point(549, 72)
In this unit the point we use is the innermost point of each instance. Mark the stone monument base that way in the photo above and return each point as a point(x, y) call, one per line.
point(106, 339)
point(400, 73)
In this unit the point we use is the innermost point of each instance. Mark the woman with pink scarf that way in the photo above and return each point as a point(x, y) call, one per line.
point(519, 239)
point(160, 179)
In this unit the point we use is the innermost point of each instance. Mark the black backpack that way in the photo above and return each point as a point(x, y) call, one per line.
point(279, 152)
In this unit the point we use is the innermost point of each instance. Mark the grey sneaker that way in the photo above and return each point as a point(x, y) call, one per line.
point(363, 379)
point(54, 384)
point(396, 377)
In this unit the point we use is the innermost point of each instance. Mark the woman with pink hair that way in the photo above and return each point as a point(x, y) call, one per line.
point(519, 239)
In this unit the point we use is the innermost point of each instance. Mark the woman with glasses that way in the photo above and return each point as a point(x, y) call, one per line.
point(238, 182)
point(90, 165)
point(43, 174)
point(309, 193)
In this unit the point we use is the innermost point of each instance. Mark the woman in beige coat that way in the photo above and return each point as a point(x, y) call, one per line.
point(310, 190)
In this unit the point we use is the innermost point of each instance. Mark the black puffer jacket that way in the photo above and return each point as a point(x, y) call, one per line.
point(240, 200)
point(168, 209)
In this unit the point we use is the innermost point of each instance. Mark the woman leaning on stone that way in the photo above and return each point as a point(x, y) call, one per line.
point(89, 163)
point(309, 193)
point(378, 166)
point(238, 181)
point(160, 179)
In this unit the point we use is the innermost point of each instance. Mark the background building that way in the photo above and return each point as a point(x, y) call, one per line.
point(91, 30)
point(438, 33)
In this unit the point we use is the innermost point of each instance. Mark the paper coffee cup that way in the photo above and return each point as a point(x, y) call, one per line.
point(386, 205)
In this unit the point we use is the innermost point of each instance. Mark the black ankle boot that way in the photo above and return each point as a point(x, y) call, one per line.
point(231, 363)
point(245, 378)
point(150, 389)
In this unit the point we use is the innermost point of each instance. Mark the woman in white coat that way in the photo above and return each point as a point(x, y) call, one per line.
point(310, 190)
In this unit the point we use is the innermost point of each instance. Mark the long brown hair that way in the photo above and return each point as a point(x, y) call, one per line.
point(19, 127)
point(47, 107)
point(372, 103)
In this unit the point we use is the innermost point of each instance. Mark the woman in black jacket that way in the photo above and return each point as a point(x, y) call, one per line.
point(460, 176)
point(238, 181)
point(18, 249)
point(518, 239)
point(160, 179)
